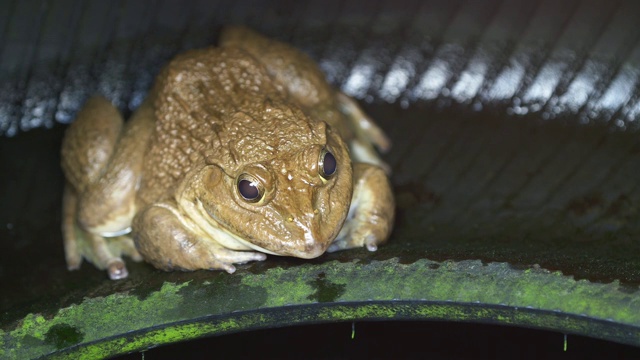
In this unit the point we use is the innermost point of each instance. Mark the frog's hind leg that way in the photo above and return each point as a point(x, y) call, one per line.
point(364, 125)
point(126, 246)
point(69, 210)
point(102, 252)
point(79, 243)
point(102, 257)
point(368, 134)
point(90, 142)
point(371, 213)
point(102, 160)
point(106, 253)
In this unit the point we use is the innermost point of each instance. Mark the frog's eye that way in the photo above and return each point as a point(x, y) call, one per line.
point(327, 164)
point(250, 188)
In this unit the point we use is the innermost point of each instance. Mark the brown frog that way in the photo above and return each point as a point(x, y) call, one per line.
point(238, 151)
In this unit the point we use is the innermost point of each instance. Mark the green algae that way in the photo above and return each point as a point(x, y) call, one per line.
point(331, 291)
point(63, 335)
point(326, 291)
point(94, 318)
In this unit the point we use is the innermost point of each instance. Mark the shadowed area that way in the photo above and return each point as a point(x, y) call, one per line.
point(516, 164)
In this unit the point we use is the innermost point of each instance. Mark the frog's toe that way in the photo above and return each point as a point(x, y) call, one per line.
point(240, 257)
point(132, 252)
point(73, 262)
point(337, 246)
point(357, 235)
point(252, 257)
point(224, 266)
point(225, 258)
point(117, 270)
point(136, 257)
point(371, 242)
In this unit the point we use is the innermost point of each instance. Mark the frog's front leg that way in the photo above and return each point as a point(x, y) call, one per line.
point(166, 238)
point(371, 213)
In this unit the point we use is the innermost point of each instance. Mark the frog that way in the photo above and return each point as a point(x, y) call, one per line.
point(239, 151)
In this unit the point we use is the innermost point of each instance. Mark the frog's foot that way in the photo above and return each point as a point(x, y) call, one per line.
point(357, 234)
point(221, 258)
point(104, 253)
point(165, 242)
point(207, 254)
point(124, 245)
point(96, 249)
point(365, 228)
point(371, 214)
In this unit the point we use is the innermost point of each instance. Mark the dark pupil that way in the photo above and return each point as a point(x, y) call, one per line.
point(248, 190)
point(329, 164)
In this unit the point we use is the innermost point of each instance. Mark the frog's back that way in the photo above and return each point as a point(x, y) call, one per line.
point(216, 106)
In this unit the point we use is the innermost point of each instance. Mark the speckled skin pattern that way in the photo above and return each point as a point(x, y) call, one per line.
point(167, 181)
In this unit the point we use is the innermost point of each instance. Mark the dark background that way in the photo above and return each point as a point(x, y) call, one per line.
point(394, 340)
point(514, 126)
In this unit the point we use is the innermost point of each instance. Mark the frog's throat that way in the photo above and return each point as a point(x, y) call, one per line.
point(211, 228)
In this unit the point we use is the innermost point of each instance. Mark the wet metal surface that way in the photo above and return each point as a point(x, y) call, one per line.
point(578, 58)
point(516, 165)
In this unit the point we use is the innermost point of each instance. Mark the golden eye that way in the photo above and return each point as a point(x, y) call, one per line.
point(249, 188)
point(327, 164)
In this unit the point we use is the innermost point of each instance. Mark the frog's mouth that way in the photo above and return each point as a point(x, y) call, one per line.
point(217, 229)
point(211, 227)
point(229, 238)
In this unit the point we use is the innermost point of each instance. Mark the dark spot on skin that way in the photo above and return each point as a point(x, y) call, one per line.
point(63, 335)
point(326, 291)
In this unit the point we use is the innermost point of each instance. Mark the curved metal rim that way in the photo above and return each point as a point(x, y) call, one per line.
point(354, 311)
point(332, 291)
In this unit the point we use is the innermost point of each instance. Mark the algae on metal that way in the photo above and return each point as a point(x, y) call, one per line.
point(331, 291)
point(92, 319)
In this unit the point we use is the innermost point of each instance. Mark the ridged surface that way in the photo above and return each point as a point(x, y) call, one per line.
point(575, 57)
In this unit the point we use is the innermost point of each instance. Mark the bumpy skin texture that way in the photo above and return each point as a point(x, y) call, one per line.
point(250, 109)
